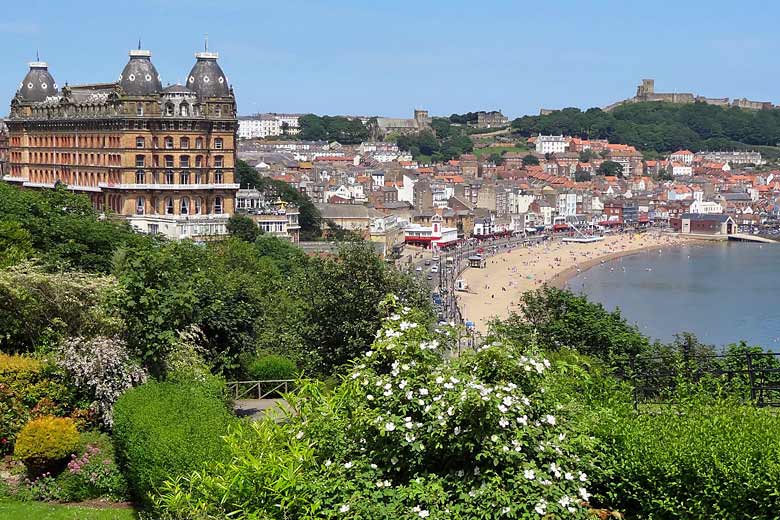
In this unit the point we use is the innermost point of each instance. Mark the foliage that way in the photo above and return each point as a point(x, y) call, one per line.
point(93, 473)
point(405, 435)
point(582, 176)
point(332, 128)
point(44, 442)
point(271, 367)
point(610, 168)
point(243, 228)
point(39, 308)
point(464, 119)
point(29, 388)
point(662, 127)
point(163, 430)
point(60, 227)
point(695, 462)
point(558, 318)
point(448, 143)
point(102, 368)
point(530, 160)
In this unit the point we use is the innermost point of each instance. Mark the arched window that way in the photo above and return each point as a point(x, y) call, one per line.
point(218, 143)
point(185, 177)
point(199, 143)
point(198, 205)
point(139, 142)
point(218, 160)
point(140, 177)
point(185, 206)
point(169, 206)
point(198, 161)
point(184, 142)
point(169, 143)
point(139, 206)
point(218, 205)
point(184, 110)
point(195, 110)
point(140, 161)
point(184, 161)
point(169, 109)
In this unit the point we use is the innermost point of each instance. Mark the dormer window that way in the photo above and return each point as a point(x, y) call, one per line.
point(218, 111)
point(184, 110)
point(169, 109)
point(139, 109)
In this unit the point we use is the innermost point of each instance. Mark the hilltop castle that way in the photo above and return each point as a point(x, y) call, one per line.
point(646, 92)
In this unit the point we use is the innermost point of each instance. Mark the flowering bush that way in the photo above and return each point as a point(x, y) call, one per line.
point(407, 434)
point(101, 367)
point(46, 441)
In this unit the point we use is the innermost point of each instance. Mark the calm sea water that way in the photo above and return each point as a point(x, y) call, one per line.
point(722, 292)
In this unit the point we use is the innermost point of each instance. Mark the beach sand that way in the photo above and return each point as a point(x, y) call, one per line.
point(495, 290)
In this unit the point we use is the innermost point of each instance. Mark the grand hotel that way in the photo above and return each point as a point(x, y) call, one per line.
point(162, 157)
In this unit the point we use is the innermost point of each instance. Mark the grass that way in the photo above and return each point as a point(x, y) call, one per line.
point(12, 510)
point(480, 152)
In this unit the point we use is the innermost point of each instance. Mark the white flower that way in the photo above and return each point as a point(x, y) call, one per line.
point(584, 493)
point(550, 419)
point(374, 466)
point(409, 437)
point(439, 380)
point(457, 430)
point(568, 476)
point(505, 510)
point(388, 386)
point(564, 501)
point(328, 463)
point(583, 477)
point(406, 325)
point(344, 508)
point(461, 473)
point(299, 435)
point(529, 474)
point(502, 408)
point(402, 384)
point(523, 420)
point(370, 397)
point(449, 386)
point(423, 391)
point(541, 507)
point(348, 465)
point(423, 514)
point(390, 426)
point(369, 353)
point(394, 461)
point(503, 422)
point(409, 395)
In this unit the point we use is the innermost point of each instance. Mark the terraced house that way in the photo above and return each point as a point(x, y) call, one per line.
point(162, 157)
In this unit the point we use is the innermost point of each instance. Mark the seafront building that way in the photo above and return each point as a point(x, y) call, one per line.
point(161, 157)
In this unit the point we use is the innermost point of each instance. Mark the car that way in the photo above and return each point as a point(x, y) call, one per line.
point(430, 276)
point(427, 262)
point(434, 268)
point(418, 269)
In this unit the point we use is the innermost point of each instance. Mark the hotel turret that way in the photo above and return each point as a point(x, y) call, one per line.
point(161, 157)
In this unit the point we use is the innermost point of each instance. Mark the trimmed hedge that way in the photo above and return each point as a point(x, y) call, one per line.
point(271, 367)
point(46, 442)
point(164, 430)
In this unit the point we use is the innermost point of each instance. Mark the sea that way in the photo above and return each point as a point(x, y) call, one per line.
point(723, 292)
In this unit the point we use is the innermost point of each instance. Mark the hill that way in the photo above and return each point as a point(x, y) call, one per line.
point(664, 127)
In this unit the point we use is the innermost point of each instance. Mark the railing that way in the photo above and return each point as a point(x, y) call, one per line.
point(267, 389)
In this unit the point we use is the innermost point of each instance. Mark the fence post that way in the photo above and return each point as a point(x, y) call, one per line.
point(752, 378)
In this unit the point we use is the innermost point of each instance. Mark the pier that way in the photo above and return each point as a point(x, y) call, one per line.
point(745, 237)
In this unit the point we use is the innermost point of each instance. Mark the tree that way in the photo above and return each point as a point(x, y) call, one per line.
point(530, 160)
point(610, 168)
point(246, 176)
point(243, 228)
point(497, 158)
point(587, 155)
point(582, 176)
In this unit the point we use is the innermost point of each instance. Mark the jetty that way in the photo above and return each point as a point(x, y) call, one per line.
point(746, 237)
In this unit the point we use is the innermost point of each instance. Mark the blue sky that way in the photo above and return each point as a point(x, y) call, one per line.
point(380, 57)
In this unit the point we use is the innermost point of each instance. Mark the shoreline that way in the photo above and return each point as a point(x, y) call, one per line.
point(493, 292)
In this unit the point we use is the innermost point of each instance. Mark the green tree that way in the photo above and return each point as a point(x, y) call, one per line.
point(582, 176)
point(610, 168)
point(243, 227)
point(530, 160)
point(246, 176)
point(587, 155)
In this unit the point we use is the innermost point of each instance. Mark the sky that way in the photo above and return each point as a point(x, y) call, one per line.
point(378, 57)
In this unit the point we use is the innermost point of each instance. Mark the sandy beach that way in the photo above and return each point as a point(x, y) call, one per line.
point(494, 291)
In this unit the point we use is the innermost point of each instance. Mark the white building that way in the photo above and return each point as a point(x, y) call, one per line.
point(551, 144)
point(434, 236)
point(682, 156)
point(681, 169)
point(567, 204)
point(708, 207)
point(268, 125)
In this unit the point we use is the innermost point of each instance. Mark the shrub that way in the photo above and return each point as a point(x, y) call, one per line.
point(696, 462)
point(408, 434)
point(45, 442)
point(93, 472)
point(271, 367)
point(164, 430)
point(29, 388)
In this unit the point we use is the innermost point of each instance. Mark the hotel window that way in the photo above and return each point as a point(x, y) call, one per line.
point(139, 161)
point(139, 206)
point(184, 142)
point(218, 161)
point(168, 177)
point(198, 205)
point(198, 178)
point(198, 161)
point(185, 177)
point(184, 161)
point(218, 177)
point(199, 143)
point(139, 109)
point(169, 143)
point(169, 161)
point(169, 206)
point(155, 142)
point(140, 177)
point(218, 205)
point(169, 109)
point(185, 206)
point(184, 110)
point(218, 111)
point(139, 142)
point(218, 143)
point(195, 110)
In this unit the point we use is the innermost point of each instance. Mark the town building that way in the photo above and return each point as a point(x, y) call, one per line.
point(492, 119)
point(382, 126)
point(161, 157)
point(3, 148)
point(551, 144)
point(276, 218)
point(435, 236)
point(704, 224)
point(268, 125)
